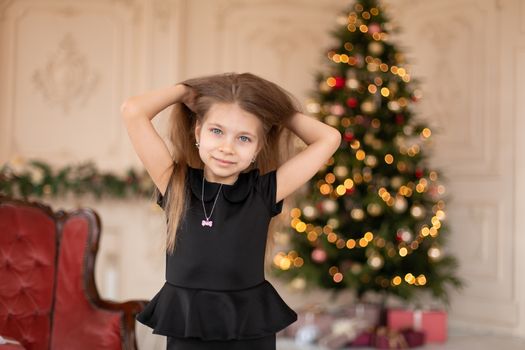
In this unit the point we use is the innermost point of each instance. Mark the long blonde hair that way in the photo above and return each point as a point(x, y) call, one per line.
point(260, 97)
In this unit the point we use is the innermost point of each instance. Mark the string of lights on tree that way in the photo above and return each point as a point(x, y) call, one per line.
point(374, 217)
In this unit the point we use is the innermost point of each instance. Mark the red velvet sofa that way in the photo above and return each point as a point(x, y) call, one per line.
point(48, 297)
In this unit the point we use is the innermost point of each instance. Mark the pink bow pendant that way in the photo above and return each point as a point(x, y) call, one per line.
point(207, 223)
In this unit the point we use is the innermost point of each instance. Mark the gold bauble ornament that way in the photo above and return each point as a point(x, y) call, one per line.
point(417, 211)
point(404, 234)
point(375, 48)
point(368, 107)
point(310, 212)
point(357, 214)
point(341, 171)
point(333, 223)
point(400, 204)
point(396, 182)
point(408, 130)
point(375, 261)
point(331, 120)
point(371, 160)
point(352, 84)
point(394, 106)
point(368, 138)
point(374, 209)
point(434, 252)
point(377, 144)
point(329, 206)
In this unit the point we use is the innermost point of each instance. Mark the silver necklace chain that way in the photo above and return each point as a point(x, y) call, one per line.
point(208, 222)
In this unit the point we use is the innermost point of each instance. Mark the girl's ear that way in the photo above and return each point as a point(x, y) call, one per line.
point(198, 127)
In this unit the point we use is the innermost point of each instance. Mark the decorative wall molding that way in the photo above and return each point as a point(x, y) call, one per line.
point(518, 109)
point(522, 16)
point(66, 78)
point(4, 5)
point(451, 58)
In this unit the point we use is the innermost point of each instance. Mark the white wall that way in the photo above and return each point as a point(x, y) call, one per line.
point(67, 65)
point(470, 55)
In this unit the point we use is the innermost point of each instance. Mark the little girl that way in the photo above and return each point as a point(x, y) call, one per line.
point(224, 182)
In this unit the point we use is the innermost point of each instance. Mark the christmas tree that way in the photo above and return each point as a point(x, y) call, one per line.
point(374, 217)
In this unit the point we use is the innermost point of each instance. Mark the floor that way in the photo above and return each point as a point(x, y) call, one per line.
point(456, 342)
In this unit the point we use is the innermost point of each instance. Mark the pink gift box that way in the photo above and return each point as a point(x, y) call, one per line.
point(432, 322)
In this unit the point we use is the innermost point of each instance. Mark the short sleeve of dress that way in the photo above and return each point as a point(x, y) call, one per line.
point(158, 195)
point(267, 187)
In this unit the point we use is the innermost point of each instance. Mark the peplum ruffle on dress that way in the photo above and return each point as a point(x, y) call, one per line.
point(217, 315)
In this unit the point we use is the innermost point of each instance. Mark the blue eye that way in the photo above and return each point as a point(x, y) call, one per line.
point(246, 138)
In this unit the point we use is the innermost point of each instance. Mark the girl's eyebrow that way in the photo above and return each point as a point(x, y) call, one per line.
point(242, 132)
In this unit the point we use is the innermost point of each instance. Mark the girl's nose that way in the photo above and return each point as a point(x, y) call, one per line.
point(226, 146)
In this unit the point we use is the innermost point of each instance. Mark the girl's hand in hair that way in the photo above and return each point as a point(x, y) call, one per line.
point(189, 98)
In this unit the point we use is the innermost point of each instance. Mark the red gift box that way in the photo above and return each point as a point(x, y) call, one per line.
point(432, 322)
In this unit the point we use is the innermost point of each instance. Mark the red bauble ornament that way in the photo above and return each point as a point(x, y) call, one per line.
point(433, 191)
point(360, 120)
point(352, 102)
point(374, 28)
point(319, 207)
point(418, 173)
point(348, 136)
point(400, 119)
point(339, 82)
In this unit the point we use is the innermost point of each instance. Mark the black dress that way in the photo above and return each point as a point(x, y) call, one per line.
point(216, 295)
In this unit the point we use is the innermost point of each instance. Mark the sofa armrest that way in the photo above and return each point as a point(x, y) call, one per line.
point(129, 310)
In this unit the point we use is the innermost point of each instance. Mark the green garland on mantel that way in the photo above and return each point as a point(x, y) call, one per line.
point(20, 177)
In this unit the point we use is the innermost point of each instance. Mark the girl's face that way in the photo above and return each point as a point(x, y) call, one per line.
point(229, 139)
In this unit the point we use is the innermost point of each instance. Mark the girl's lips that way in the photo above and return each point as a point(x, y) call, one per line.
point(223, 161)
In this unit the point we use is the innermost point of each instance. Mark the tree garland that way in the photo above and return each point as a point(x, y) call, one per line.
point(20, 177)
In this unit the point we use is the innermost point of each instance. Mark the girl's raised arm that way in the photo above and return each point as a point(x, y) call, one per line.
point(322, 140)
point(137, 113)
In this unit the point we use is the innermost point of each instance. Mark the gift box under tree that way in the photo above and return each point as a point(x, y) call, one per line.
point(432, 322)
